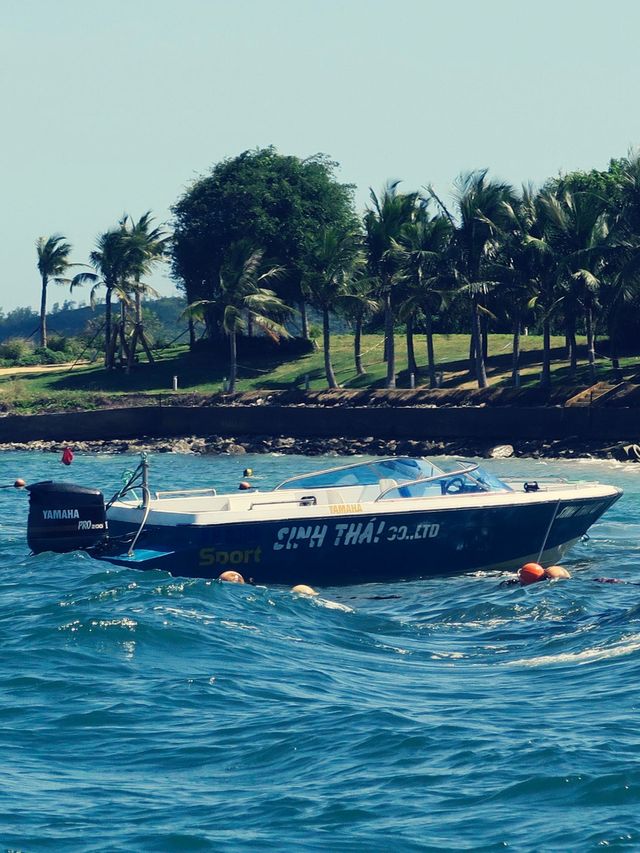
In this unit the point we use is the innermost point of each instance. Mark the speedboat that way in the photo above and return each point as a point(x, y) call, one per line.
point(380, 520)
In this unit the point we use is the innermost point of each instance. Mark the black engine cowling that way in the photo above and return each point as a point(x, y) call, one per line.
point(65, 517)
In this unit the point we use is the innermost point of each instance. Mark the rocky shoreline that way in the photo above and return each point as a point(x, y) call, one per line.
point(559, 449)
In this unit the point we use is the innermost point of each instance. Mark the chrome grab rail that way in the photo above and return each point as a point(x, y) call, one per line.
point(306, 500)
point(187, 492)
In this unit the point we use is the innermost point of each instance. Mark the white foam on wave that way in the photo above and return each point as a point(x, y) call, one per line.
point(586, 656)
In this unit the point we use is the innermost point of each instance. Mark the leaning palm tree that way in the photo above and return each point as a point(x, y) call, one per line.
point(111, 259)
point(53, 262)
point(335, 256)
point(383, 223)
point(421, 251)
point(241, 293)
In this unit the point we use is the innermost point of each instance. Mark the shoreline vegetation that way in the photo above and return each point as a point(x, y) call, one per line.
point(266, 246)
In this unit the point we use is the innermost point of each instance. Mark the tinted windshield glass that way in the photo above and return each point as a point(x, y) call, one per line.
point(460, 478)
point(402, 470)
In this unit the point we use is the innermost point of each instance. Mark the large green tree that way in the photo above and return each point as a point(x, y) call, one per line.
point(53, 262)
point(279, 202)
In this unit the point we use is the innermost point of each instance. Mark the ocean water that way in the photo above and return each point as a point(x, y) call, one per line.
point(141, 712)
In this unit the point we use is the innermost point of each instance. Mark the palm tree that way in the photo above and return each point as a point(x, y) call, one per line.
point(578, 230)
point(481, 214)
point(111, 260)
point(147, 246)
point(527, 274)
point(240, 293)
point(53, 262)
point(359, 304)
point(383, 223)
point(622, 281)
point(421, 251)
point(335, 256)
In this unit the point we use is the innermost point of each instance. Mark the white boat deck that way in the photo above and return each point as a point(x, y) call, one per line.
point(382, 498)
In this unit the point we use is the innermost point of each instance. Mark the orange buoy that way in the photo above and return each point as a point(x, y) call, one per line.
point(243, 486)
point(531, 573)
point(19, 483)
point(556, 573)
point(231, 577)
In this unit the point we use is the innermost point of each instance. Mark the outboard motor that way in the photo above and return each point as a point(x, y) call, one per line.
point(65, 517)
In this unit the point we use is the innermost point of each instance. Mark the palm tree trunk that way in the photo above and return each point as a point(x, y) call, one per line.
point(484, 326)
point(326, 346)
point(122, 332)
point(613, 352)
point(431, 362)
point(304, 320)
point(481, 373)
point(545, 376)
point(133, 345)
point(391, 350)
point(357, 347)
point(591, 347)
point(472, 350)
point(233, 361)
point(412, 365)
point(107, 329)
point(572, 350)
point(515, 371)
point(43, 313)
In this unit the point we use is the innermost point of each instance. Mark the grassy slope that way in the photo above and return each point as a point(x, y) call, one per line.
point(200, 373)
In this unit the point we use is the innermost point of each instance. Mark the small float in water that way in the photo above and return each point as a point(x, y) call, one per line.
point(382, 520)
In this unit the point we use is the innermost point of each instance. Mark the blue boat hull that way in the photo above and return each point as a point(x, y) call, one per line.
point(352, 549)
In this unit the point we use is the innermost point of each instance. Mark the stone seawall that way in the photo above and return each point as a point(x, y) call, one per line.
point(584, 423)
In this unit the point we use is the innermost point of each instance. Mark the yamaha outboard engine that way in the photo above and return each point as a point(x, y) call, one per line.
point(65, 517)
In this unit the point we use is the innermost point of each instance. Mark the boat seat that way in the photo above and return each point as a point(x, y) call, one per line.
point(387, 483)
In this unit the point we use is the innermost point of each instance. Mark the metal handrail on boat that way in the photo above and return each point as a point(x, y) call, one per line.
point(174, 493)
point(306, 500)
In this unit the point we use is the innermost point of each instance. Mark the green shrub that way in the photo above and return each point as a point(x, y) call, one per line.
point(15, 349)
point(45, 355)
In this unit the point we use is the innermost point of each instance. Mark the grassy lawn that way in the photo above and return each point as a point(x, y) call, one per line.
point(202, 372)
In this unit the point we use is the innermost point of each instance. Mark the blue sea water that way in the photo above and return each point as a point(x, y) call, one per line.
point(142, 712)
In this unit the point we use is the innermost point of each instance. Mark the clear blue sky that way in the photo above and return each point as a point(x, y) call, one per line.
point(116, 106)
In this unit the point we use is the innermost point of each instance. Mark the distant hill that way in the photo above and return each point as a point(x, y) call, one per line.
point(162, 317)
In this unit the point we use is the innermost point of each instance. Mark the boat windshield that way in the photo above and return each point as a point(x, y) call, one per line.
point(400, 470)
point(455, 478)
point(404, 477)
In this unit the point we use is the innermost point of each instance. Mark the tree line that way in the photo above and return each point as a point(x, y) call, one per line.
point(263, 236)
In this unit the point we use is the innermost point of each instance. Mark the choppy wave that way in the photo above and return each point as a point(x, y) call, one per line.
point(144, 712)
